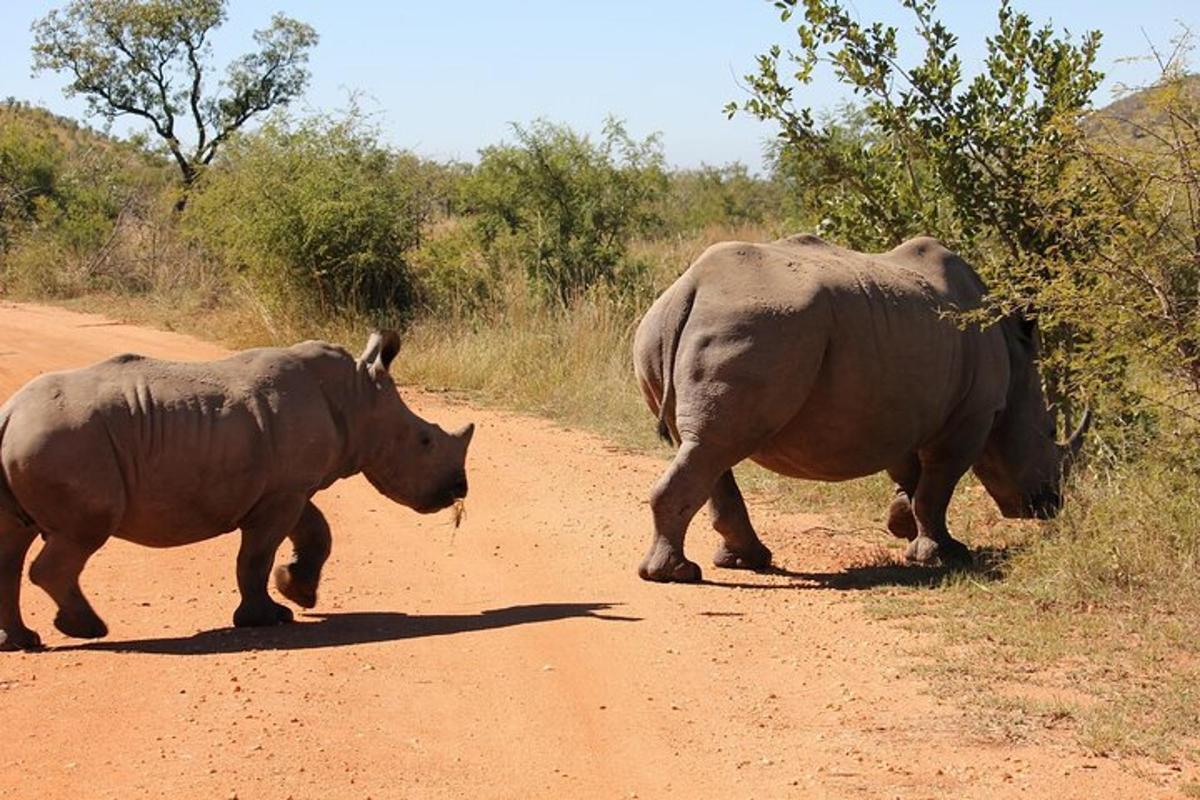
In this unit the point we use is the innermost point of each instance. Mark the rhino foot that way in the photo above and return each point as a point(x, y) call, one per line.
point(81, 625)
point(301, 592)
point(755, 557)
point(259, 615)
point(663, 565)
point(19, 639)
point(900, 519)
point(922, 550)
point(951, 552)
point(954, 553)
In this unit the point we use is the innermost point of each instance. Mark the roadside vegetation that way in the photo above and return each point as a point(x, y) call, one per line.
point(520, 278)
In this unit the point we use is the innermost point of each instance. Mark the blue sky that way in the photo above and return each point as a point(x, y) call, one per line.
point(447, 78)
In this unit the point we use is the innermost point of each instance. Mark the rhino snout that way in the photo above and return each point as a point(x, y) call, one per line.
point(455, 490)
point(1045, 504)
point(446, 497)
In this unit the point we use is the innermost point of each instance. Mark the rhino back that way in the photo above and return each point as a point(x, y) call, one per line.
point(891, 370)
point(167, 452)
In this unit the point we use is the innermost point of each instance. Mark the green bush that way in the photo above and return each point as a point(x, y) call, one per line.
point(62, 192)
point(726, 196)
point(317, 215)
point(564, 206)
point(987, 163)
point(452, 276)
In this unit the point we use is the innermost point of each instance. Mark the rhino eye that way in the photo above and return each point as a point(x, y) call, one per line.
point(426, 440)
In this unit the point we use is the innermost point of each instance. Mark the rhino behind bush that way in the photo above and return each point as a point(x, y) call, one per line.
point(165, 454)
point(821, 363)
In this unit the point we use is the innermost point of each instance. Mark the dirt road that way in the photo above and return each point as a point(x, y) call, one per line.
point(518, 657)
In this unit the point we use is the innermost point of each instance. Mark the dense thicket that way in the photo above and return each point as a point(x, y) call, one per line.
point(318, 216)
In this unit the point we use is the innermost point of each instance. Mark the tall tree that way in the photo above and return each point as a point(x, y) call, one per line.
point(151, 59)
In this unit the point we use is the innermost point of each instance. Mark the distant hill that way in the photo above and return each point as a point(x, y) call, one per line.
point(1135, 114)
point(67, 182)
point(73, 137)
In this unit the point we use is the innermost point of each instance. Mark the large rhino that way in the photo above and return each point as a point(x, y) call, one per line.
point(164, 454)
point(822, 363)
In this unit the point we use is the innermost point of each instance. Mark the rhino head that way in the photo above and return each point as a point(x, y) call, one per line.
point(411, 461)
point(1022, 466)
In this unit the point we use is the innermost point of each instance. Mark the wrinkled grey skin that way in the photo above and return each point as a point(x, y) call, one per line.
point(165, 454)
point(826, 364)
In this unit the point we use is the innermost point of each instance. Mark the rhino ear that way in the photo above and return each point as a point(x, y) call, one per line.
point(391, 346)
point(381, 350)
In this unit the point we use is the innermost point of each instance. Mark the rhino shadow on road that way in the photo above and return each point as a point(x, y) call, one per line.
point(988, 565)
point(355, 627)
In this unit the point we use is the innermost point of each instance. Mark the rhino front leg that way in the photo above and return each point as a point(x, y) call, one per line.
point(741, 548)
point(311, 540)
point(56, 570)
point(262, 533)
point(933, 540)
point(676, 498)
point(14, 544)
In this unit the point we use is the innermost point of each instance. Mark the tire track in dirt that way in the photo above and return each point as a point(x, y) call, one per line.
point(517, 657)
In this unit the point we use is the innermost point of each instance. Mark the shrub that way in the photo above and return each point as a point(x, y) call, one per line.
point(1146, 285)
point(727, 196)
point(316, 214)
point(564, 206)
point(62, 192)
point(452, 276)
point(987, 164)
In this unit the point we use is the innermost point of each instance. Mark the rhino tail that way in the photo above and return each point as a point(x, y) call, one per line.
point(673, 325)
point(664, 431)
point(8, 501)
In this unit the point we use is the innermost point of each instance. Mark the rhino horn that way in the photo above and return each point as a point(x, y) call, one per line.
point(1075, 443)
point(466, 432)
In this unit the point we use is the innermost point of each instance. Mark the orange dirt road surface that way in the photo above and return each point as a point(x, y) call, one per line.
point(518, 657)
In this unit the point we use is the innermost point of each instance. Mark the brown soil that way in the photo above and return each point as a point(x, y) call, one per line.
point(517, 657)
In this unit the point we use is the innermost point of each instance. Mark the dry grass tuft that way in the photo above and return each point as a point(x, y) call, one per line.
point(1102, 606)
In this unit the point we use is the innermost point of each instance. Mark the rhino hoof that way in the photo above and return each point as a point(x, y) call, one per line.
point(262, 615)
point(302, 593)
point(900, 520)
point(81, 626)
point(954, 553)
point(922, 550)
point(950, 553)
point(756, 557)
point(674, 571)
point(23, 639)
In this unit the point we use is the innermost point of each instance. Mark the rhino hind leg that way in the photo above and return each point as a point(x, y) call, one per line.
point(900, 520)
point(676, 498)
point(262, 533)
point(741, 547)
point(56, 570)
point(14, 544)
point(298, 580)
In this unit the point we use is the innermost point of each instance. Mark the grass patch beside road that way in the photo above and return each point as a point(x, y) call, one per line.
point(1090, 623)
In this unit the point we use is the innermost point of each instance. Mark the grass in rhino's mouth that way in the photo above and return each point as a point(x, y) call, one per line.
point(459, 511)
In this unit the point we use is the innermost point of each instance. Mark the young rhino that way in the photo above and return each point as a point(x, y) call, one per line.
point(164, 454)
